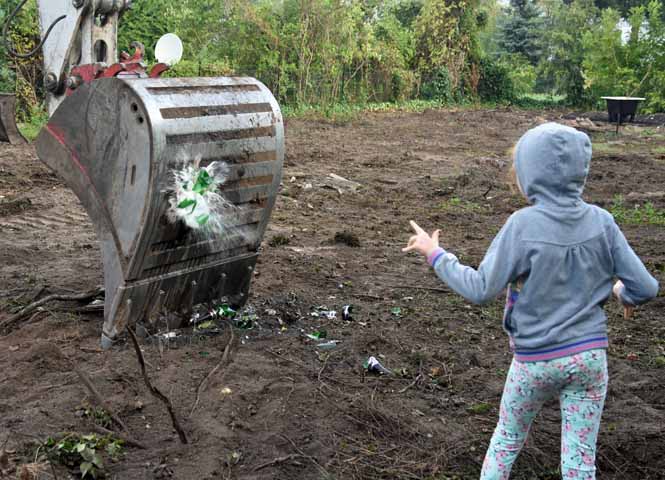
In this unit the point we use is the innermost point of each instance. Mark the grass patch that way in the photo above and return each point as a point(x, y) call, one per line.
point(604, 148)
point(660, 150)
point(347, 238)
point(651, 133)
point(479, 408)
point(540, 101)
point(456, 204)
point(279, 240)
point(645, 214)
point(346, 112)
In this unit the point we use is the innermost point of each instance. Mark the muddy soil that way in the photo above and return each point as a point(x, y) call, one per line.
point(283, 409)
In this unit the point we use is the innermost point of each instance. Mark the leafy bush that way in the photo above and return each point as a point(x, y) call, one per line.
point(7, 76)
point(561, 63)
point(447, 37)
point(613, 66)
point(189, 68)
point(438, 86)
point(22, 76)
point(32, 122)
point(83, 452)
point(146, 22)
point(495, 84)
point(521, 72)
point(539, 101)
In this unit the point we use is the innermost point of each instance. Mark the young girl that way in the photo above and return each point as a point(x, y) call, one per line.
point(558, 258)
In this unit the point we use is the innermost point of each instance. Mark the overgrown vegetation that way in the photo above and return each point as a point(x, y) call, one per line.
point(646, 214)
point(319, 54)
point(82, 453)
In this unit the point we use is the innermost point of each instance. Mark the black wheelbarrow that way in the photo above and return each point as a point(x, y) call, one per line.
point(622, 109)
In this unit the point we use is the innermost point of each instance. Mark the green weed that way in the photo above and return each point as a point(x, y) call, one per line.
point(456, 204)
point(279, 240)
point(99, 416)
point(83, 452)
point(607, 148)
point(645, 214)
point(479, 408)
point(659, 150)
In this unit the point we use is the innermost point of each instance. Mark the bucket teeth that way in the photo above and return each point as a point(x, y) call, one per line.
point(117, 142)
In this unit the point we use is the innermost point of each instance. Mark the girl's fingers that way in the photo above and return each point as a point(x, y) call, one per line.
point(435, 236)
point(416, 227)
point(410, 244)
point(628, 312)
point(410, 247)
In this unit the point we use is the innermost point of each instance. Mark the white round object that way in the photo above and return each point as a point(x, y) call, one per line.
point(169, 49)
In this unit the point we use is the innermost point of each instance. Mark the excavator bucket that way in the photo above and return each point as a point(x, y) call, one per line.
point(116, 143)
point(8, 130)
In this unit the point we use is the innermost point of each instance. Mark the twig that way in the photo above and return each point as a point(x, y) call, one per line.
point(277, 461)
point(55, 475)
point(418, 287)
point(37, 293)
point(366, 295)
point(98, 398)
point(420, 375)
point(49, 298)
point(222, 362)
point(304, 455)
point(41, 444)
point(91, 350)
point(325, 362)
point(418, 378)
point(35, 316)
point(153, 390)
point(296, 362)
point(125, 438)
point(288, 397)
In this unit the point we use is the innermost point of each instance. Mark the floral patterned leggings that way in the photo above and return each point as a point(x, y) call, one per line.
point(580, 382)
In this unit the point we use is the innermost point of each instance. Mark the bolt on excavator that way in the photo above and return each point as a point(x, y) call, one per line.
point(118, 131)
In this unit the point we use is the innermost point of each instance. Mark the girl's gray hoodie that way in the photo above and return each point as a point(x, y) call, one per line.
point(563, 252)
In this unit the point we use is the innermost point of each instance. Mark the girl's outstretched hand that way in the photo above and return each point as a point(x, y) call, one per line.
point(422, 242)
point(627, 309)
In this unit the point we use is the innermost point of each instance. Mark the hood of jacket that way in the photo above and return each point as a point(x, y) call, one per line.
point(552, 164)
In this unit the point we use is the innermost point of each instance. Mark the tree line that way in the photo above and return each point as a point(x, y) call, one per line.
point(324, 52)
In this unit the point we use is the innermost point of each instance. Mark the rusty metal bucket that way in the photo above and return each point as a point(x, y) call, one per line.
point(116, 141)
point(9, 132)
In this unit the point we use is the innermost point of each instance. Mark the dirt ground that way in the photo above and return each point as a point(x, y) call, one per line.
point(283, 409)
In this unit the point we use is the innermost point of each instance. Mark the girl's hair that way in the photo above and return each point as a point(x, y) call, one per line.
point(512, 174)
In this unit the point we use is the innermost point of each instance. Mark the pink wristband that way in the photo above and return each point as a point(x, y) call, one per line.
point(435, 255)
